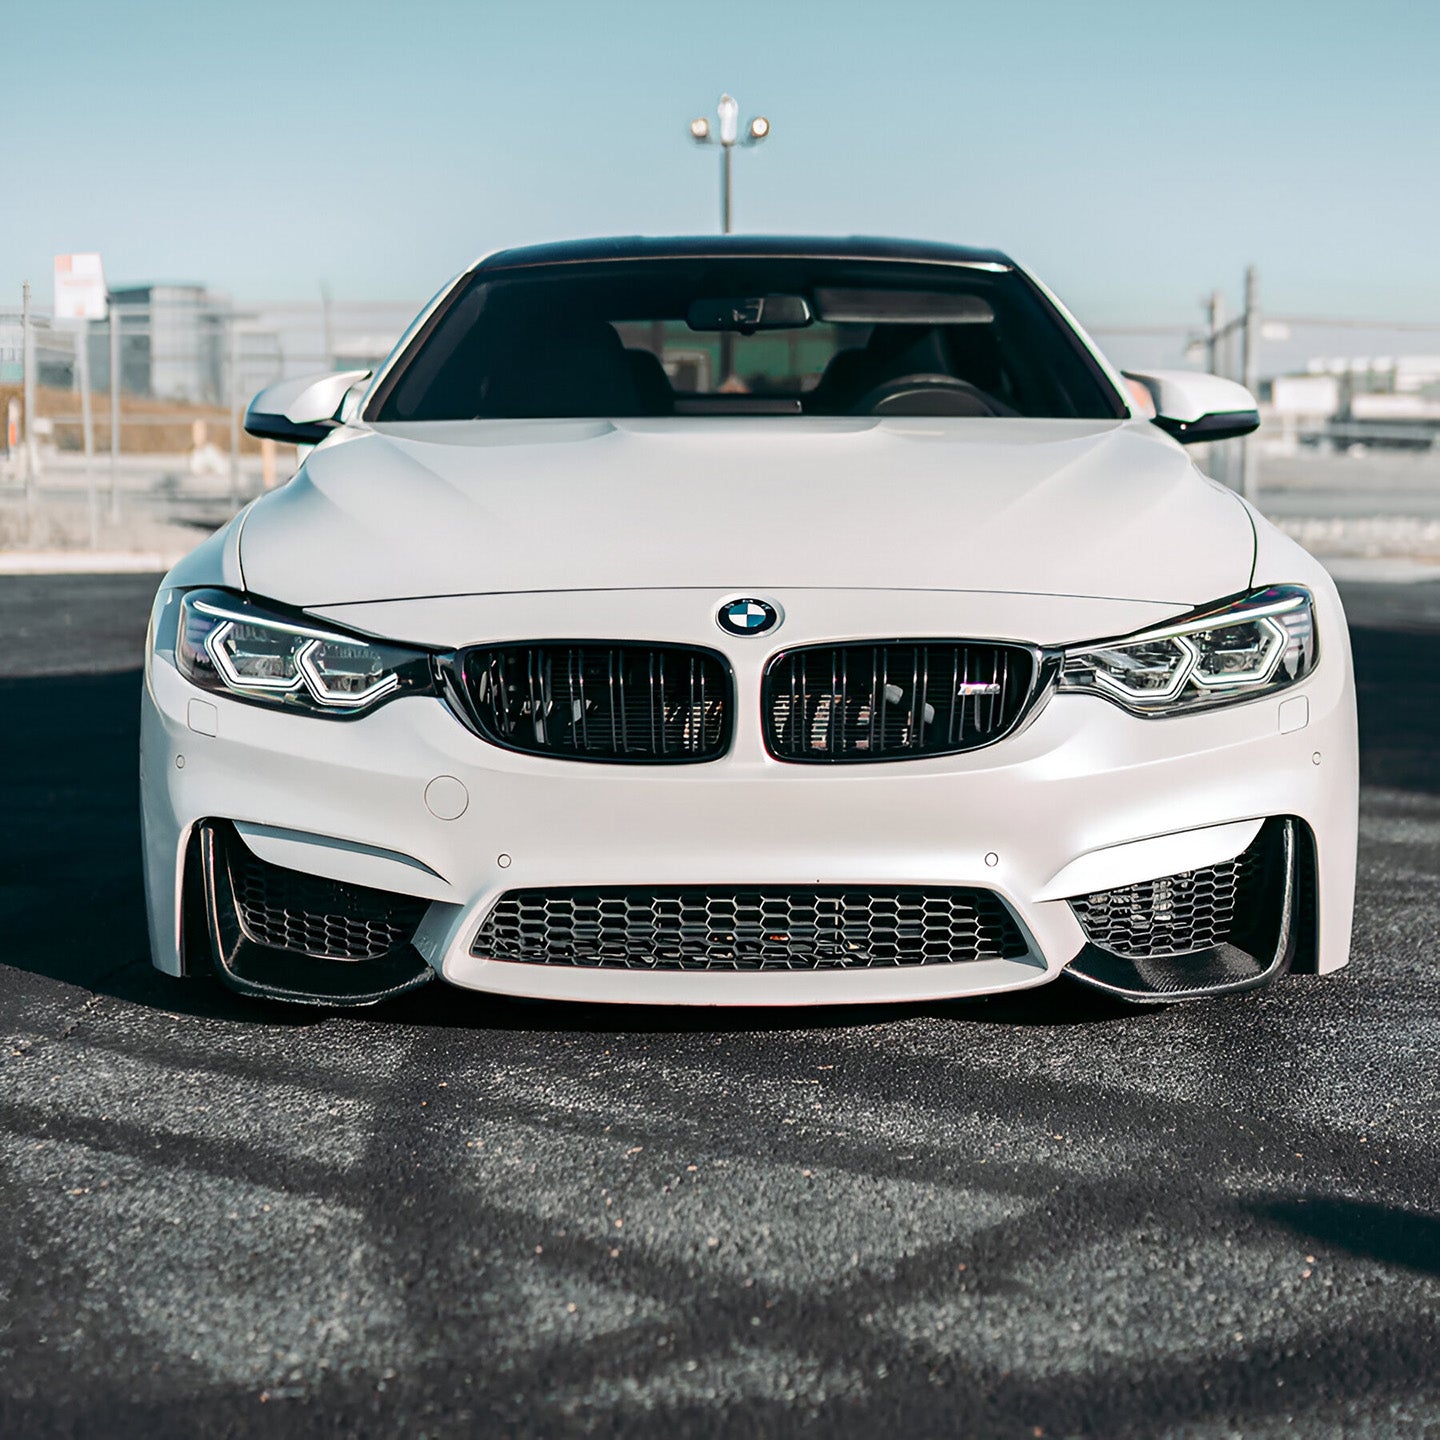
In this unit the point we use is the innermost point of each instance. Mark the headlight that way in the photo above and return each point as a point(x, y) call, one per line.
point(226, 644)
point(1235, 651)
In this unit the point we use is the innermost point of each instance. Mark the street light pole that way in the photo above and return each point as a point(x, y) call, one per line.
point(727, 138)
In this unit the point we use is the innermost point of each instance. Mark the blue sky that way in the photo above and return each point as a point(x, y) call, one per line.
point(1136, 155)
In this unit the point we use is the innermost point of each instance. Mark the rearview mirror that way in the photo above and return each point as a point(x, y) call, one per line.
point(1191, 406)
point(749, 313)
point(303, 411)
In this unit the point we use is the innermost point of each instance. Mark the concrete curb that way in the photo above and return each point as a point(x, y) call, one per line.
point(1389, 570)
point(87, 562)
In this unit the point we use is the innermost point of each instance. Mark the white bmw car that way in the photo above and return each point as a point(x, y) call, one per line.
point(748, 622)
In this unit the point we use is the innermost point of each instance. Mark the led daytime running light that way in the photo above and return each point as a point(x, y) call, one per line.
point(1229, 652)
point(1237, 614)
point(215, 649)
point(1105, 681)
point(305, 663)
point(1216, 682)
point(230, 647)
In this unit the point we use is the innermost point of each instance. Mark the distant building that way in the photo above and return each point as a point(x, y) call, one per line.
point(1384, 374)
point(172, 342)
point(1387, 401)
point(12, 352)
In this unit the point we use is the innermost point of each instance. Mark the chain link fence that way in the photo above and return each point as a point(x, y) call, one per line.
point(135, 433)
point(135, 438)
point(1347, 458)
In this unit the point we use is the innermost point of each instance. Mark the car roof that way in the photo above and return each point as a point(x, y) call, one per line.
point(715, 247)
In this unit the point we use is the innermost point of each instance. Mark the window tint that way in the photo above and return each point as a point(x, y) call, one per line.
point(851, 338)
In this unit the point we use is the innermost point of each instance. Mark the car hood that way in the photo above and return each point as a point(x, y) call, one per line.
point(1093, 508)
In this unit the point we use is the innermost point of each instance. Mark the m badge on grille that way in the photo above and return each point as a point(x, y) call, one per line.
point(747, 616)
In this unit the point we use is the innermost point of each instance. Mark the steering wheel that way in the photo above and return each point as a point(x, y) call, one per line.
point(931, 393)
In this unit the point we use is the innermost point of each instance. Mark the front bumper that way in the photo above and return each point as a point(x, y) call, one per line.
point(1084, 798)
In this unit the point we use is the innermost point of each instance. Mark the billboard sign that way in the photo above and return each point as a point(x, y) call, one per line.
point(79, 288)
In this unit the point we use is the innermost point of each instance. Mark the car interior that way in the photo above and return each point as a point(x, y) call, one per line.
point(533, 347)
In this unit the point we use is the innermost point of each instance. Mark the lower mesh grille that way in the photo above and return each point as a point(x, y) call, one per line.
point(756, 929)
point(1187, 912)
point(310, 915)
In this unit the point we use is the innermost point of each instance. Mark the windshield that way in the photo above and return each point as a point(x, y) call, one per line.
point(744, 336)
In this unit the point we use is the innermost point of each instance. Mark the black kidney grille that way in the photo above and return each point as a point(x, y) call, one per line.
point(586, 701)
point(770, 928)
point(893, 701)
point(1190, 911)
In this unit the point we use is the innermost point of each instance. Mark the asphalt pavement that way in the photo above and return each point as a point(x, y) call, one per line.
point(454, 1215)
point(1378, 482)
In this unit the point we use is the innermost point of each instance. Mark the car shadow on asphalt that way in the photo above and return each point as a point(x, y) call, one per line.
point(435, 1006)
point(1393, 1236)
point(72, 910)
point(1397, 689)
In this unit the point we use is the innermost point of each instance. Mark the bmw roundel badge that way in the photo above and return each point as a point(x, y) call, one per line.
point(747, 616)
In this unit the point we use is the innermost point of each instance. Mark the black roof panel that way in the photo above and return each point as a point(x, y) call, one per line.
point(707, 247)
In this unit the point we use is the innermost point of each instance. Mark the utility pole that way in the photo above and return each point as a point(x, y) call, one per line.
point(87, 427)
point(1250, 378)
point(234, 377)
point(327, 321)
point(27, 354)
point(1220, 358)
point(82, 383)
point(1217, 345)
point(114, 413)
point(1214, 355)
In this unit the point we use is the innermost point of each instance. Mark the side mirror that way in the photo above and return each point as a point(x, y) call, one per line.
point(1193, 407)
point(303, 411)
